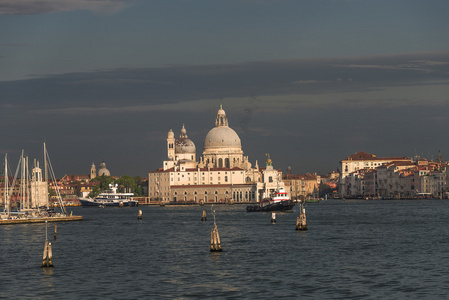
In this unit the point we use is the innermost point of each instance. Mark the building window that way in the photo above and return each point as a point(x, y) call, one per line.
point(220, 163)
point(226, 178)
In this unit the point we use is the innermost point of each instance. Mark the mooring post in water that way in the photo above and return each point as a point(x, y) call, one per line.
point(215, 245)
point(50, 255)
point(44, 259)
point(54, 235)
point(203, 216)
point(301, 221)
point(139, 215)
point(273, 217)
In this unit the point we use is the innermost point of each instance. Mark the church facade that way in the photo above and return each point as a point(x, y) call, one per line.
point(221, 174)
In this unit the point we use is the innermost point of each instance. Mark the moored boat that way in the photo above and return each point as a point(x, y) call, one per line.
point(279, 201)
point(110, 198)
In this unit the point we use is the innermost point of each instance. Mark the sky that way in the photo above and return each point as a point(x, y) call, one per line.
point(308, 81)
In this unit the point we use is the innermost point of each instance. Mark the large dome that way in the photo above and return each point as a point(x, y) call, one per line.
point(219, 137)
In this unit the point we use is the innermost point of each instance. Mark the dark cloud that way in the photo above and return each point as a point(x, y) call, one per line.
point(171, 84)
point(306, 113)
point(29, 7)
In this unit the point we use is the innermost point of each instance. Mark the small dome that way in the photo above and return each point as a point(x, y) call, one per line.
point(222, 137)
point(184, 145)
point(103, 170)
point(170, 134)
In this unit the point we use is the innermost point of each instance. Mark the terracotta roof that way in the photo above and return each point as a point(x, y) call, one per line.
point(367, 156)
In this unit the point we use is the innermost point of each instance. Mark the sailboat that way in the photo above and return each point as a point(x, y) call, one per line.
point(33, 195)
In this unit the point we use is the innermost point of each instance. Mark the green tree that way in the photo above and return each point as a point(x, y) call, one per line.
point(126, 183)
point(95, 192)
point(103, 181)
point(138, 191)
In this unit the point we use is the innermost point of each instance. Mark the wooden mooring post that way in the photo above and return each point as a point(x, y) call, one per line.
point(54, 234)
point(301, 221)
point(215, 245)
point(47, 259)
point(139, 215)
point(203, 216)
point(273, 217)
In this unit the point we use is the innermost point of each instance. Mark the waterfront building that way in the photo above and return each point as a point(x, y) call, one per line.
point(221, 174)
point(403, 178)
point(359, 161)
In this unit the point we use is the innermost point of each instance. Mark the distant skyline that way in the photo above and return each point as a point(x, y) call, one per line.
point(310, 82)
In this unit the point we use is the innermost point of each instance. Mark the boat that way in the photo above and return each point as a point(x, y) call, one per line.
point(110, 197)
point(31, 202)
point(279, 201)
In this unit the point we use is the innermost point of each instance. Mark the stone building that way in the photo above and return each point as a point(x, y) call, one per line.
point(221, 174)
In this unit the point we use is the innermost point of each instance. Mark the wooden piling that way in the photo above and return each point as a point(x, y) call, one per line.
point(54, 235)
point(215, 245)
point(301, 221)
point(44, 258)
point(139, 215)
point(203, 216)
point(273, 217)
point(50, 255)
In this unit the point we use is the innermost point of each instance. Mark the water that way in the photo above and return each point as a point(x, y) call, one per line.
point(353, 249)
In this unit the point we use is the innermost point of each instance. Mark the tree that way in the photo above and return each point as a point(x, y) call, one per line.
point(126, 183)
point(103, 181)
point(95, 191)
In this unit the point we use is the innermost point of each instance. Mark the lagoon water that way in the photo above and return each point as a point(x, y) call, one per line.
point(353, 249)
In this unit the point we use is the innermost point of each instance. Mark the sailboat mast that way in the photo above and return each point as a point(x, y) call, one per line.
point(6, 187)
point(22, 182)
point(28, 186)
point(46, 169)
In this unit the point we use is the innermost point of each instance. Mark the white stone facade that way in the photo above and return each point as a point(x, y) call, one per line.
point(221, 174)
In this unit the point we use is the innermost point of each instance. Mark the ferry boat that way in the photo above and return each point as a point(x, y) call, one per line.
point(110, 198)
point(279, 201)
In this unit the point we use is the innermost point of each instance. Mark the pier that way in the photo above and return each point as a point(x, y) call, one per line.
point(40, 220)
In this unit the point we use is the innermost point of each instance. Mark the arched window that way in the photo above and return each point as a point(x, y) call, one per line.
point(220, 163)
point(227, 165)
point(216, 192)
point(205, 192)
point(248, 179)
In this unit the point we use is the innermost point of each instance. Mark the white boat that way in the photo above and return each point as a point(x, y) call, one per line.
point(279, 201)
point(110, 198)
point(31, 202)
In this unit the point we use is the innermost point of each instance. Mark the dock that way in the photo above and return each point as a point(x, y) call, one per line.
point(40, 220)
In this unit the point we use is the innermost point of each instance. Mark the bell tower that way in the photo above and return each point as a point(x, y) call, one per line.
point(93, 171)
point(171, 145)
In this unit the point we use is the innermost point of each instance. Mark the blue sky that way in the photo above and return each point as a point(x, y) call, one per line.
point(311, 82)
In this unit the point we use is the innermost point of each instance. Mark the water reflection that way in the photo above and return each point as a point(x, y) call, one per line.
point(47, 279)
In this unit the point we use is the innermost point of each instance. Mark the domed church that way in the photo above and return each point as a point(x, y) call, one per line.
point(223, 173)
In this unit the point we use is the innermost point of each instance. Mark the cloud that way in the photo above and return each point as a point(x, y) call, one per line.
point(362, 81)
point(29, 7)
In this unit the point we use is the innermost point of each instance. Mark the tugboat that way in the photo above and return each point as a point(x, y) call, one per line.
point(279, 201)
point(110, 198)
